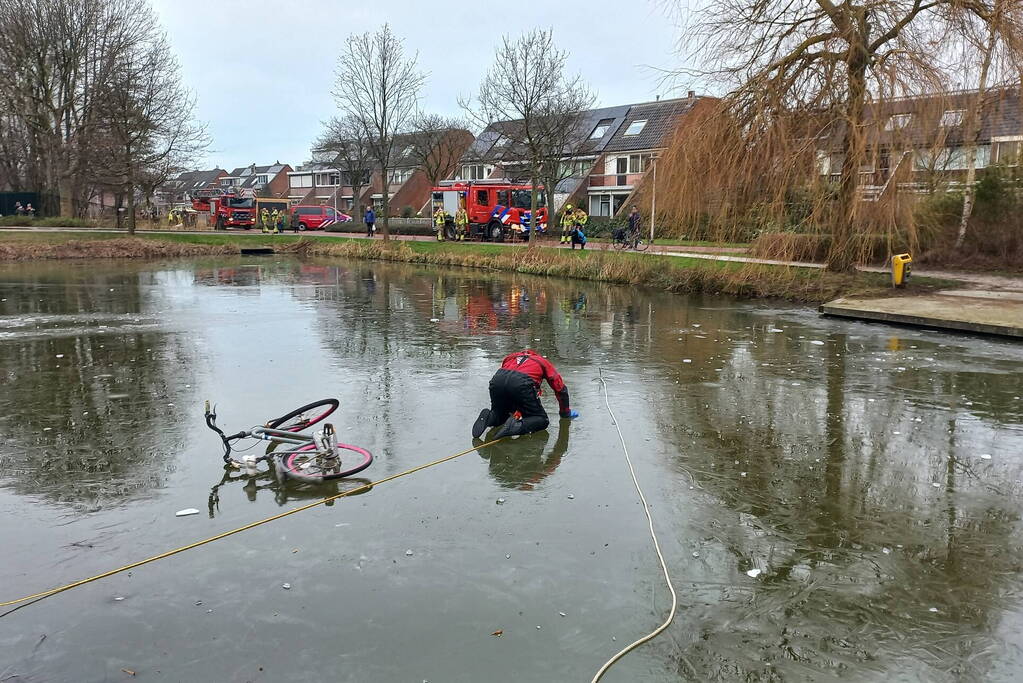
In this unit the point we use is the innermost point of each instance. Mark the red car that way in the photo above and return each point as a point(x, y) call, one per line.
point(315, 217)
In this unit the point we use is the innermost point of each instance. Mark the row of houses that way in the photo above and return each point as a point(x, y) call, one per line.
point(617, 146)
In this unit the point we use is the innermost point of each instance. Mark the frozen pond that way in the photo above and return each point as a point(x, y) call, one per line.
point(871, 474)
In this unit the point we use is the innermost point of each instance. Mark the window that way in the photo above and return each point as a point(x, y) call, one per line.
point(473, 172)
point(601, 129)
point(636, 127)
point(262, 179)
point(408, 150)
point(951, 159)
point(308, 211)
point(400, 176)
point(622, 165)
point(1006, 152)
point(482, 197)
point(502, 142)
point(522, 199)
point(638, 162)
point(330, 213)
point(898, 121)
point(226, 182)
point(952, 118)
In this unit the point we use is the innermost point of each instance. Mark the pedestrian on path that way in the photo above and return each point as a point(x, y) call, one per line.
point(370, 219)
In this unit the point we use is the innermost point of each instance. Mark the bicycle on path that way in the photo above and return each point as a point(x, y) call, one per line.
point(315, 457)
point(629, 239)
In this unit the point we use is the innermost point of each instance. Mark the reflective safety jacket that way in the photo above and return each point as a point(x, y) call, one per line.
point(580, 217)
point(538, 368)
point(440, 217)
point(461, 217)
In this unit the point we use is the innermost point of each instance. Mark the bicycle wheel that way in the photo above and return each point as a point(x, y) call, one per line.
point(619, 243)
point(306, 416)
point(303, 465)
point(641, 245)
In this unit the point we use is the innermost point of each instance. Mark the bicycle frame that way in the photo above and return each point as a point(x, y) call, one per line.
point(323, 440)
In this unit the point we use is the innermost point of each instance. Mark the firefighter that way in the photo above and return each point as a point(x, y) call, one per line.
point(462, 223)
point(264, 220)
point(567, 223)
point(275, 221)
point(515, 389)
point(440, 218)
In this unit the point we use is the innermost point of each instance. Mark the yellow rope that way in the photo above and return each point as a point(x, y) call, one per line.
point(252, 525)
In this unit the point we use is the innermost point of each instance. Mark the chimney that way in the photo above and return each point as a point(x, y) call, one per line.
point(692, 94)
point(657, 98)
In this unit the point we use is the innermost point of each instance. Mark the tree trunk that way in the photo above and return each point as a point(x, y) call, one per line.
point(66, 192)
point(840, 257)
point(972, 132)
point(532, 211)
point(130, 212)
point(357, 205)
point(385, 232)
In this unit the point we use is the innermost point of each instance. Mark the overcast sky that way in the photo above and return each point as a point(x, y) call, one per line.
point(263, 71)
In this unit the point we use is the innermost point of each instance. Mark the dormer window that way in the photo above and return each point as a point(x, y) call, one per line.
point(601, 129)
point(898, 121)
point(952, 118)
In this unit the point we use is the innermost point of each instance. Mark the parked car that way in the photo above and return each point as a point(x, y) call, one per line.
point(314, 217)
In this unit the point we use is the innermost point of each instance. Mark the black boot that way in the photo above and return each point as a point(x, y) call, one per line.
point(481, 423)
point(511, 427)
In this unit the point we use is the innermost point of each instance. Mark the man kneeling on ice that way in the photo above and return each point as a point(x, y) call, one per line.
point(515, 388)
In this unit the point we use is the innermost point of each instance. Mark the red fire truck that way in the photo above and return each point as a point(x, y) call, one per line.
point(497, 210)
point(226, 209)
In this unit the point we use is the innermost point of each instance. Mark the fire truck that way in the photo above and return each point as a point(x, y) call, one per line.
point(226, 209)
point(497, 210)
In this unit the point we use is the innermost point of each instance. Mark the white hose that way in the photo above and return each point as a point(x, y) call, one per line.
point(657, 548)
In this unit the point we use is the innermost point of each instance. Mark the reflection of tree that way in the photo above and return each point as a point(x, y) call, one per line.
point(89, 400)
point(520, 463)
point(826, 468)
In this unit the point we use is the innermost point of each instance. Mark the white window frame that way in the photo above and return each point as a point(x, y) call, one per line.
point(629, 132)
point(602, 128)
point(898, 121)
point(999, 140)
point(953, 121)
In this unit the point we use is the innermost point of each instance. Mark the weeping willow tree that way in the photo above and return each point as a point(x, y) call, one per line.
point(798, 140)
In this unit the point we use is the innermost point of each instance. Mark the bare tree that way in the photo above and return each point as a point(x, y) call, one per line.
point(345, 140)
point(148, 116)
point(799, 71)
point(529, 95)
point(60, 61)
point(377, 87)
point(437, 144)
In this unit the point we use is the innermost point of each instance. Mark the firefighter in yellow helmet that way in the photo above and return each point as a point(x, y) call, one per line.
point(264, 219)
point(274, 220)
point(567, 223)
point(440, 218)
point(462, 223)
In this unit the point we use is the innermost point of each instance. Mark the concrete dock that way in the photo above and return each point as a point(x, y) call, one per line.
point(983, 311)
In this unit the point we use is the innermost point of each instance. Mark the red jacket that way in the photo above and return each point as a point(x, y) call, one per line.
point(538, 368)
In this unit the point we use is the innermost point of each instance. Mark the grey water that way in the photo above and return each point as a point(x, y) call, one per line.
point(835, 500)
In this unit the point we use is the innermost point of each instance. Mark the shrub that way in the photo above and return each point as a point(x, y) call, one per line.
point(407, 212)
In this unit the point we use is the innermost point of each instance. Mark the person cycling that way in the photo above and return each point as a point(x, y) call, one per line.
point(515, 388)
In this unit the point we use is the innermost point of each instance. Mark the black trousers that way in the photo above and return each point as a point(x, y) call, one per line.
point(511, 391)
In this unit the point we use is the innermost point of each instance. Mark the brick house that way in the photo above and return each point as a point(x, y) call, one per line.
point(181, 188)
point(325, 181)
point(614, 151)
point(919, 142)
point(263, 181)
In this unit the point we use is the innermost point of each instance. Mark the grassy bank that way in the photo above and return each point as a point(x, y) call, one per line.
point(669, 273)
